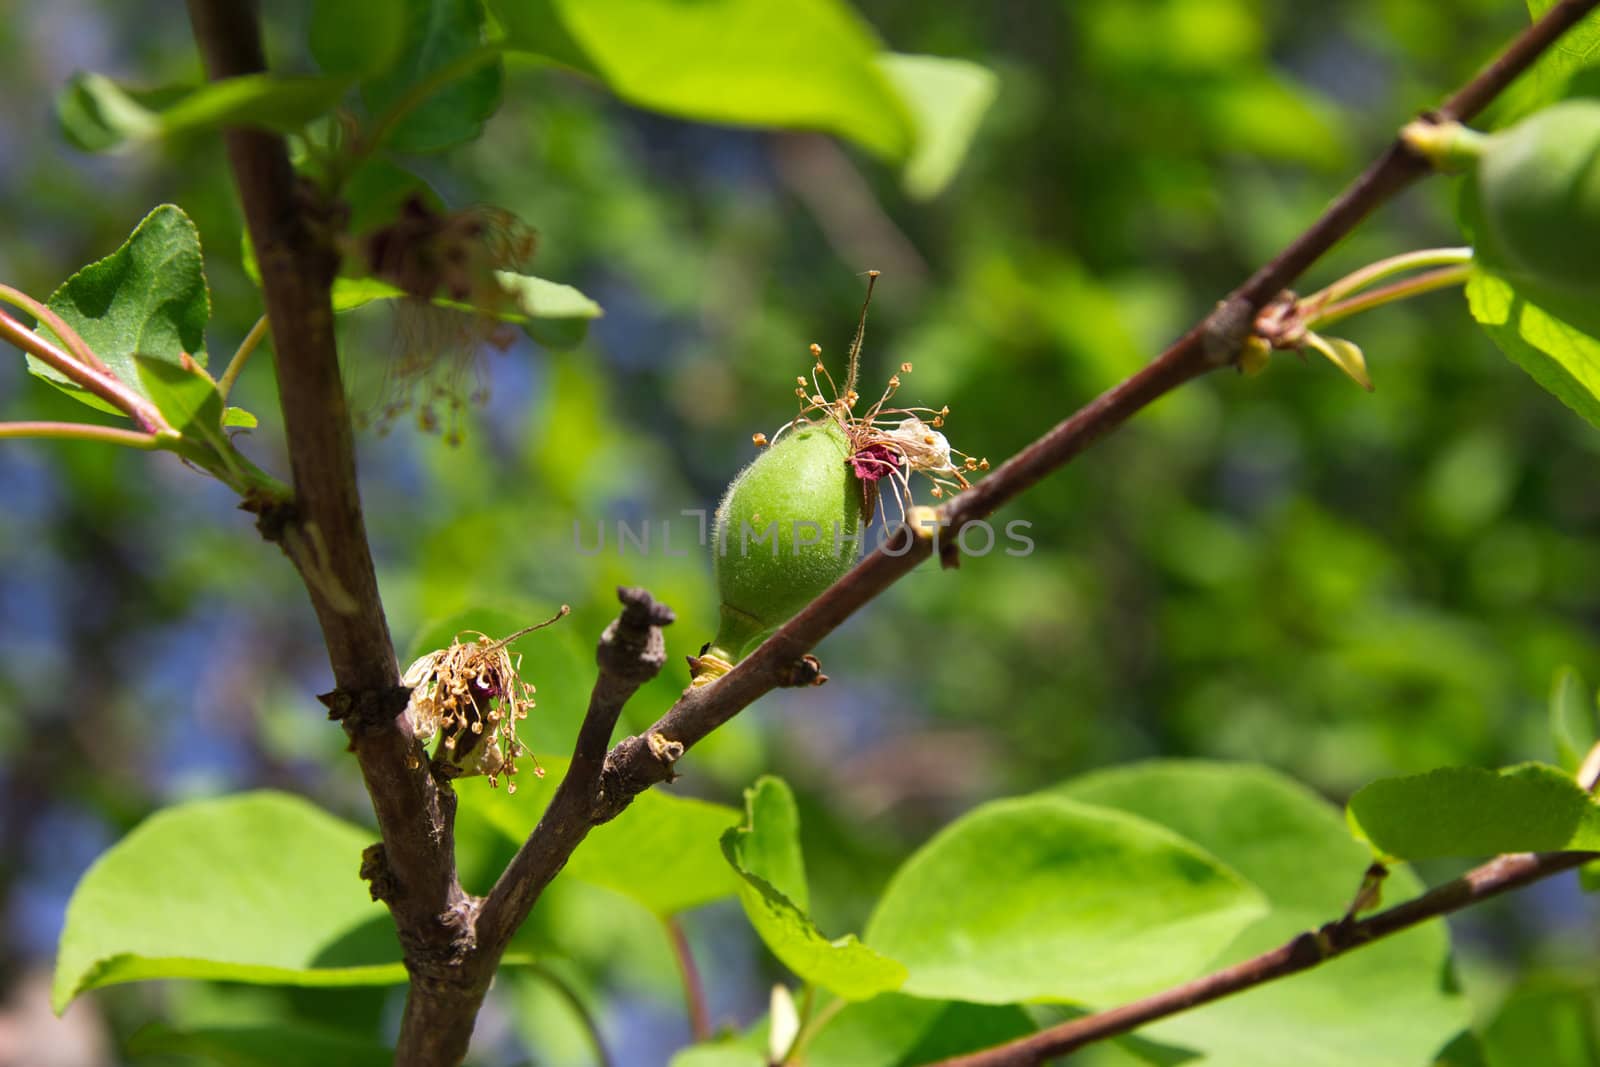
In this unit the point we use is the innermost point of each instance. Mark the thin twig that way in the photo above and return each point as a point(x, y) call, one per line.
point(1307, 950)
point(631, 652)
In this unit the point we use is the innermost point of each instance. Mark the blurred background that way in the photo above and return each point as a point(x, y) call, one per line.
point(1281, 569)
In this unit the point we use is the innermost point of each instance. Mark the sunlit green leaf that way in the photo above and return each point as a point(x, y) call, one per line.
point(662, 851)
point(1469, 811)
point(894, 1030)
point(259, 887)
point(98, 114)
point(1558, 355)
point(149, 298)
point(765, 852)
point(444, 85)
point(808, 64)
point(947, 99)
point(1548, 1021)
point(1029, 898)
point(1572, 718)
point(1385, 1006)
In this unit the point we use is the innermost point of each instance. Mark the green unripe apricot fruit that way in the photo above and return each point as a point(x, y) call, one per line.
point(784, 532)
point(1538, 190)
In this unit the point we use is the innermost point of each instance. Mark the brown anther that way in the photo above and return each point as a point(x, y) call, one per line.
point(937, 492)
point(905, 368)
point(799, 380)
point(816, 350)
point(759, 440)
point(894, 381)
point(983, 464)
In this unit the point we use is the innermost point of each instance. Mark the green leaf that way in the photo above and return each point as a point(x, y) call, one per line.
point(894, 1029)
point(357, 38)
point(1469, 811)
point(1556, 354)
point(97, 114)
point(662, 851)
point(148, 297)
point(259, 887)
point(1576, 50)
point(439, 60)
point(239, 418)
point(1572, 718)
point(187, 396)
point(1031, 898)
point(721, 1054)
point(947, 98)
point(1385, 1006)
point(765, 851)
point(807, 64)
point(281, 1044)
point(1547, 1020)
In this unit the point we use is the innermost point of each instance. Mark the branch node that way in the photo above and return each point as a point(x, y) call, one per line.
point(366, 711)
point(664, 750)
point(1225, 330)
point(375, 871)
point(632, 649)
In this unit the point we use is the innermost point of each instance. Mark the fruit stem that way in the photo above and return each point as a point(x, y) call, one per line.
point(1447, 146)
point(853, 367)
point(1385, 268)
point(1442, 278)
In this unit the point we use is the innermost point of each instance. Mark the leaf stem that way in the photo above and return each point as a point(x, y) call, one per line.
point(1442, 278)
point(242, 356)
point(1386, 268)
point(69, 337)
point(82, 431)
point(103, 384)
point(694, 991)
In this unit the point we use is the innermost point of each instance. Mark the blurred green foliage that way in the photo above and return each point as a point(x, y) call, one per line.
point(1280, 569)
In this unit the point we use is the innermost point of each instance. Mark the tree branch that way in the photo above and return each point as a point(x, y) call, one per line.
point(1499, 875)
point(631, 652)
point(1211, 343)
point(324, 534)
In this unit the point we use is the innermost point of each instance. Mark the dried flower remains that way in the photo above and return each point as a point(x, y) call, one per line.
point(472, 696)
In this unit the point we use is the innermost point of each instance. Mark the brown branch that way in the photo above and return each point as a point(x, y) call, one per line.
point(1209, 344)
point(631, 652)
point(1301, 953)
point(415, 868)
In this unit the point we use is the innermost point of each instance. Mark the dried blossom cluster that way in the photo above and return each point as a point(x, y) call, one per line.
point(471, 696)
point(447, 264)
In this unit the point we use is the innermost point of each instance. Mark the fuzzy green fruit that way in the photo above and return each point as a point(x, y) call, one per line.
point(784, 532)
point(1538, 191)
